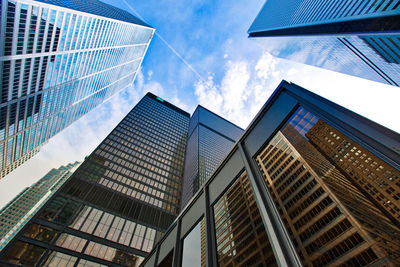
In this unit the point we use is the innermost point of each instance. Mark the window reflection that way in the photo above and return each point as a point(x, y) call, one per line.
point(23, 254)
point(240, 233)
point(167, 261)
point(113, 255)
point(335, 197)
point(194, 250)
point(41, 233)
point(55, 259)
point(71, 242)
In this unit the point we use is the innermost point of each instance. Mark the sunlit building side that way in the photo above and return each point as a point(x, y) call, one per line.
point(58, 61)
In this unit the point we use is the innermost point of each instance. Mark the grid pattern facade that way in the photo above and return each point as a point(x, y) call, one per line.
point(120, 200)
point(278, 199)
point(302, 12)
point(376, 178)
point(240, 233)
point(371, 52)
point(25, 205)
point(57, 64)
point(329, 220)
point(210, 139)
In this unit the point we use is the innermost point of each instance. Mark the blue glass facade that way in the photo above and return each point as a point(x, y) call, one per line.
point(210, 139)
point(57, 63)
point(356, 37)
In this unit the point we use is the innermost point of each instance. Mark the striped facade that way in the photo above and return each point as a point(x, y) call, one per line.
point(359, 38)
point(58, 61)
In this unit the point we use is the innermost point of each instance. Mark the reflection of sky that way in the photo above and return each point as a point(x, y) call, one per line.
point(192, 248)
point(303, 121)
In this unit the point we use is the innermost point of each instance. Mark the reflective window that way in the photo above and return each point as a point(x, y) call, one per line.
point(71, 242)
point(24, 254)
point(168, 260)
point(55, 259)
point(41, 233)
point(335, 197)
point(240, 233)
point(194, 250)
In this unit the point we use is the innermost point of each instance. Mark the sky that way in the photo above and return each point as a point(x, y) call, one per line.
point(225, 71)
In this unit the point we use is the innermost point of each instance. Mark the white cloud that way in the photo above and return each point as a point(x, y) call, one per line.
point(242, 90)
point(247, 84)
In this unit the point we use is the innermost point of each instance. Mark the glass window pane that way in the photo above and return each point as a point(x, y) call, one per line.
point(194, 253)
point(336, 198)
point(55, 259)
point(167, 261)
point(240, 233)
point(41, 233)
point(24, 254)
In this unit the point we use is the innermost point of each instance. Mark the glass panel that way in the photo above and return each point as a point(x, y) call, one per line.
point(113, 255)
point(339, 202)
point(71, 242)
point(194, 249)
point(56, 259)
point(24, 254)
point(167, 261)
point(67, 212)
point(240, 233)
point(86, 263)
point(41, 233)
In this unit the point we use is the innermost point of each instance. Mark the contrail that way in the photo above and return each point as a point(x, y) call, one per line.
point(169, 46)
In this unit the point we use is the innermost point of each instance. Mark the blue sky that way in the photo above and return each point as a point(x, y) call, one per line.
point(237, 77)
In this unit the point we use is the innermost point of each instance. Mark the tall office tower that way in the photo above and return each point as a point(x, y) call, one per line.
point(377, 179)
point(286, 195)
point(58, 61)
point(25, 205)
point(355, 37)
point(210, 139)
point(314, 196)
point(118, 202)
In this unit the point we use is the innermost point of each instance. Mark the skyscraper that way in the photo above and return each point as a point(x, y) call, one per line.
point(58, 61)
point(355, 37)
point(286, 195)
point(25, 205)
point(210, 139)
point(119, 201)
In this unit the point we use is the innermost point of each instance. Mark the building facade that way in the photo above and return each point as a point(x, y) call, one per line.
point(118, 202)
point(24, 206)
point(58, 61)
point(210, 139)
point(282, 198)
point(356, 37)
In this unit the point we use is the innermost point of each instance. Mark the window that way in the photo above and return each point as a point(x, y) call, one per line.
point(194, 248)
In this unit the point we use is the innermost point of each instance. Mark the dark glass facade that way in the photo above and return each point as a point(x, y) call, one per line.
point(309, 183)
point(210, 139)
point(329, 218)
point(121, 199)
point(355, 37)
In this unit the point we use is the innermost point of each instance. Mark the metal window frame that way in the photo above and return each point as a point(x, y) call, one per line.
point(273, 115)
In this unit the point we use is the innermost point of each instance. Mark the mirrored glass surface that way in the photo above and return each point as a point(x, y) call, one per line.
point(338, 200)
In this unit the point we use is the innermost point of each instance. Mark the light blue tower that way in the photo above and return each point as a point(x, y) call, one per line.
point(59, 60)
point(355, 37)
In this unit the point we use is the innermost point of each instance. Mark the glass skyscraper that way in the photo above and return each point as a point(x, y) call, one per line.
point(24, 206)
point(355, 37)
point(309, 183)
point(58, 61)
point(118, 202)
point(210, 139)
